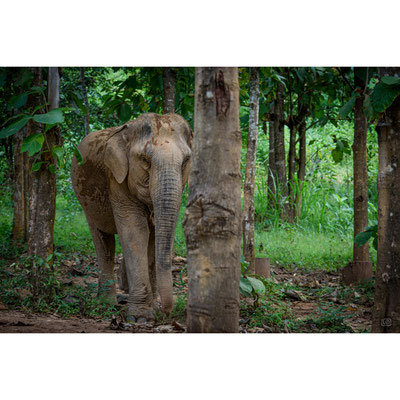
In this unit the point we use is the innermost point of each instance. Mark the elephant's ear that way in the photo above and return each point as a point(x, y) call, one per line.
point(115, 156)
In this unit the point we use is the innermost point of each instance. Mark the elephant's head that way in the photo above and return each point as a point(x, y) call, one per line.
point(153, 154)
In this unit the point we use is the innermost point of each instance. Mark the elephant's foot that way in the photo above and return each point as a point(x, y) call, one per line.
point(141, 321)
point(140, 314)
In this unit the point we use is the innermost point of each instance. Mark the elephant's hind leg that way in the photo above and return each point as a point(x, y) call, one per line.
point(104, 244)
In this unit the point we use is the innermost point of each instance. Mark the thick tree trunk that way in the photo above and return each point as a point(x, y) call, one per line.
point(248, 209)
point(169, 90)
point(43, 191)
point(85, 100)
point(360, 254)
point(301, 173)
point(19, 233)
point(213, 217)
point(386, 312)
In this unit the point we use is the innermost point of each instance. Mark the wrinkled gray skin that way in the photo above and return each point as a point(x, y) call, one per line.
point(130, 183)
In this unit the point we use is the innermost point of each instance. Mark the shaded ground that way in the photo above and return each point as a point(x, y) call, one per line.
point(297, 301)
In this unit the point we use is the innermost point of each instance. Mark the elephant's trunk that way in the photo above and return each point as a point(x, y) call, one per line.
point(166, 202)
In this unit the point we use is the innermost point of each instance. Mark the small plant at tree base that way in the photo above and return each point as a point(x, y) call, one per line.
point(250, 286)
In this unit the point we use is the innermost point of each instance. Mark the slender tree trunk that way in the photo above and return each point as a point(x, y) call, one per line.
point(272, 178)
point(248, 209)
point(386, 312)
point(360, 254)
point(301, 173)
point(213, 217)
point(43, 189)
point(291, 171)
point(85, 100)
point(169, 90)
point(279, 137)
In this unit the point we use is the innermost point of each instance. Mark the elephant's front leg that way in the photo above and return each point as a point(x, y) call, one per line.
point(134, 234)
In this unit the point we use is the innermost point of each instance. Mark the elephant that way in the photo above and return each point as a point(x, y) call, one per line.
point(130, 183)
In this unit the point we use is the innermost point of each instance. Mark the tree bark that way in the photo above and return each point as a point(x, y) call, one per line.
point(43, 190)
point(213, 217)
point(360, 172)
point(19, 232)
point(248, 209)
point(301, 173)
point(169, 90)
point(386, 311)
point(291, 172)
point(85, 100)
point(279, 137)
point(272, 178)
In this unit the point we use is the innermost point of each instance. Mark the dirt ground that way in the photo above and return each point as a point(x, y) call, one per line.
point(302, 302)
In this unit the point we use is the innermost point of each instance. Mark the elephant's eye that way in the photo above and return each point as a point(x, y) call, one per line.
point(145, 161)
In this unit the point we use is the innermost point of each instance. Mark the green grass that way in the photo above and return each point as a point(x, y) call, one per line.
point(294, 247)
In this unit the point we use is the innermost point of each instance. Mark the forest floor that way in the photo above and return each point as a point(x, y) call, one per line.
point(297, 300)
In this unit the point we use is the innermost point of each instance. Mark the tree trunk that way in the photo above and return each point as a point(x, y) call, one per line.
point(43, 190)
point(85, 100)
point(19, 232)
point(271, 156)
point(301, 173)
point(213, 217)
point(386, 312)
point(169, 90)
point(360, 173)
point(291, 172)
point(248, 209)
point(279, 137)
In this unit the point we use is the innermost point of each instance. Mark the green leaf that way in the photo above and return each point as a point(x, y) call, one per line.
point(57, 151)
point(14, 127)
point(78, 155)
point(18, 101)
point(368, 109)
point(346, 109)
point(337, 155)
point(37, 166)
point(245, 287)
point(33, 143)
point(52, 168)
point(124, 112)
point(383, 96)
point(390, 80)
point(362, 238)
point(79, 103)
point(257, 285)
point(55, 116)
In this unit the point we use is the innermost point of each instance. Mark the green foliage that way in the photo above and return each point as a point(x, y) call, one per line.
point(383, 96)
point(33, 143)
point(250, 286)
point(363, 237)
point(32, 284)
point(54, 116)
point(342, 147)
point(14, 127)
point(348, 107)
